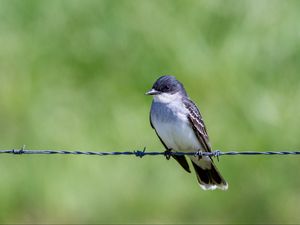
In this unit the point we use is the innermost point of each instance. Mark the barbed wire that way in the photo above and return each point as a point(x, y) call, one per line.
point(142, 153)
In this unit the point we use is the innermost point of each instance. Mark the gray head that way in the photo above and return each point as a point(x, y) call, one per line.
point(167, 85)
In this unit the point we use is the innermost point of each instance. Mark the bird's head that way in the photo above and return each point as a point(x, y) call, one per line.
point(167, 88)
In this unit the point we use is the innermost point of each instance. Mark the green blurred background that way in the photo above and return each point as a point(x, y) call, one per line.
point(73, 75)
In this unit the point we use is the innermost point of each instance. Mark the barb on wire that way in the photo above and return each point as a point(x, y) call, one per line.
point(142, 153)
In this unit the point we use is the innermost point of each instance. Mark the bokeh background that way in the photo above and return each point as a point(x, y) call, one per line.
point(73, 75)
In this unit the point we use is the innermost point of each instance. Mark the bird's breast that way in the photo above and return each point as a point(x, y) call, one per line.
point(173, 127)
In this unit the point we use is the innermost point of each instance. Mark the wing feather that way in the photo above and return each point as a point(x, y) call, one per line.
point(197, 123)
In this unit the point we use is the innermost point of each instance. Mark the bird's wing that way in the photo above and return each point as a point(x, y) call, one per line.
point(179, 158)
point(197, 123)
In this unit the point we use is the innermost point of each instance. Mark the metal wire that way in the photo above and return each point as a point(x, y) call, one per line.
point(142, 153)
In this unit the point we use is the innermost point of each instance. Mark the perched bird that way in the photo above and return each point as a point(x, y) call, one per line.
point(179, 126)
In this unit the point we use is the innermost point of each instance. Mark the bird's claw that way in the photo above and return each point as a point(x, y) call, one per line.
point(199, 154)
point(167, 154)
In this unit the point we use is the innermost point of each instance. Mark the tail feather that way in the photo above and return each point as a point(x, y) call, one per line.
point(209, 178)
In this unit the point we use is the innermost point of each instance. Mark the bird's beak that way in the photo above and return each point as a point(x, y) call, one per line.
point(152, 92)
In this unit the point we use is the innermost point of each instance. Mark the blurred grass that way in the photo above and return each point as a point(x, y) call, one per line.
point(73, 76)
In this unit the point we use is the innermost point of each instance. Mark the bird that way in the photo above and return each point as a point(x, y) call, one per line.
point(179, 126)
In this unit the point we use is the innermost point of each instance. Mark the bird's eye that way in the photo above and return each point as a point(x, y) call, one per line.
point(167, 88)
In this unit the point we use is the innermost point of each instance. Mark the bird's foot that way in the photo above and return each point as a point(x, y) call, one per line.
point(167, 154)
point(199, 154)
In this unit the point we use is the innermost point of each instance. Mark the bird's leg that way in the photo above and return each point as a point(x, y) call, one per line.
point(167, 153)
point(199, 154)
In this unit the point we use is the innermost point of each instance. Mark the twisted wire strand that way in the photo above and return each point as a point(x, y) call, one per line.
point(142, 153)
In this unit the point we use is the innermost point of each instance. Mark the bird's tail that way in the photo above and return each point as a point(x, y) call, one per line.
point(208, 176)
